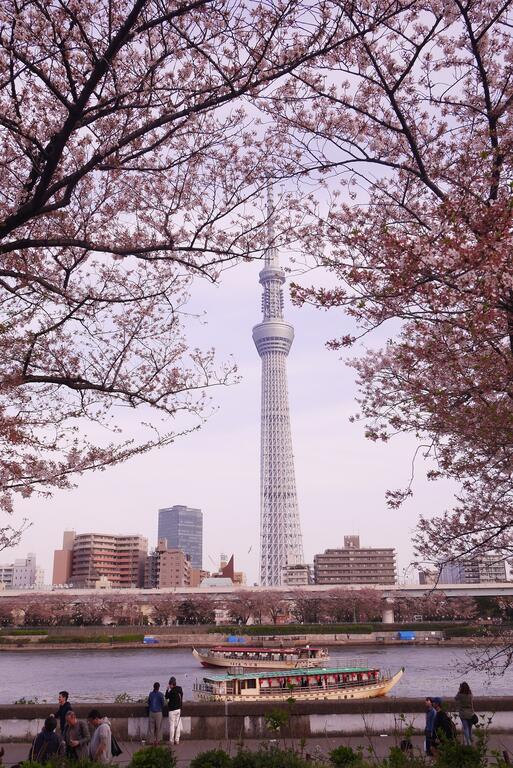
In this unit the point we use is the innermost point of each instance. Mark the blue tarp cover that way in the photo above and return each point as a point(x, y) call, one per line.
point(406, 635)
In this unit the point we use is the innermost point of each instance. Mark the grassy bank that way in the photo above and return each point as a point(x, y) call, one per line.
point(72, 639)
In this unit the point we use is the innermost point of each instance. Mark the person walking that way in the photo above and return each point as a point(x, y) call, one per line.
point(64, 708)
point(443, 726)
point(76, 737)
point(100, 746)
point(156, 702)
point(46, 744)
point(429, 730)
point(465, 703)
point(174, 696)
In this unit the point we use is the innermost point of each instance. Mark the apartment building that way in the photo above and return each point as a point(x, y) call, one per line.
point(167, 568)
point(87, 558)
point(353, 564)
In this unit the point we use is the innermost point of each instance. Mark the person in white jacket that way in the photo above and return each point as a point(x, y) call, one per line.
point(100, 749)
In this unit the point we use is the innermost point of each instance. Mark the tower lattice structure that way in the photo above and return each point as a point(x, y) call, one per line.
point(280, 531)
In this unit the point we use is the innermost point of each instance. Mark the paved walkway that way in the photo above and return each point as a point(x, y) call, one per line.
point(316, 747)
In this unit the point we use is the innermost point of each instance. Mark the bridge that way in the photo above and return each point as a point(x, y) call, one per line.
point(485, 589)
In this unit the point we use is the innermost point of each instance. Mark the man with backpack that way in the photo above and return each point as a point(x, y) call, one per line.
point(443, 727)
point(47, 744)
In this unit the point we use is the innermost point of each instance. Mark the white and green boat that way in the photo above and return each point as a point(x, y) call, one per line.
point(332, 684)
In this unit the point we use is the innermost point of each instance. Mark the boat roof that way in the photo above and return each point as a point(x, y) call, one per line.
point(287, 673)
point(265, 649)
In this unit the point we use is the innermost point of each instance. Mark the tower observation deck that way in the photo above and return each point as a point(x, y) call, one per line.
point(280, 532)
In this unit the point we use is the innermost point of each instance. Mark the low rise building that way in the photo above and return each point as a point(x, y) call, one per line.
point(353, 564)
point(23, 573)
point(167, 568)
point(296, 575)
point(428, 577)
point(226, 571)
point(197, 576)
point(6, 575)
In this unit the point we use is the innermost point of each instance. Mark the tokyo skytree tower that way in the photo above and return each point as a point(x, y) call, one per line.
point(280, 532)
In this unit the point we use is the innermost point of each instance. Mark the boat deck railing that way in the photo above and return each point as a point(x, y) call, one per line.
point(290, 689)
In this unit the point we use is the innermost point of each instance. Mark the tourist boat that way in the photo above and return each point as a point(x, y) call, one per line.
point(334, 684)
point(256, 657)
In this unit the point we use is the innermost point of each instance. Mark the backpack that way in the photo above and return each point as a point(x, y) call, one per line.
point(114, 746)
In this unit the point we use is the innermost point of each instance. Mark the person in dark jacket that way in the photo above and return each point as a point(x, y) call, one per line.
point(47, 744)
point(465, 702)
point(443, 726)
point(64, 708)
point(174, 696)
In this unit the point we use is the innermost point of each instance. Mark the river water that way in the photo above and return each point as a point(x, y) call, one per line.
point(93, 675)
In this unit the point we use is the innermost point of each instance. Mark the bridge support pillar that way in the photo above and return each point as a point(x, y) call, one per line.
point(387, 611)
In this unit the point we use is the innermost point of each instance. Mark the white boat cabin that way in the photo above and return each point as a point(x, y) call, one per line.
point(258, 653)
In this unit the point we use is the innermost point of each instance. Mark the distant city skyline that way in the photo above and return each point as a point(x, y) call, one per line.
point(341, 476)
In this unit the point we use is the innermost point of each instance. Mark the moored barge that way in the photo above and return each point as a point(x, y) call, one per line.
point(257, 657)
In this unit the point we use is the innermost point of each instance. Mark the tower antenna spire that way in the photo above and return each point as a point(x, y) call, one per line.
point(271, 254)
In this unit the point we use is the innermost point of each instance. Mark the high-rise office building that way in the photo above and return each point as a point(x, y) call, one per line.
point(182, 527)
point(280, 532)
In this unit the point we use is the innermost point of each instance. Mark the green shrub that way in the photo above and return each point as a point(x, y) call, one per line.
point(296, 629)
point(269, 758)
point(452, 754)
point(345, 756)
point(397, 758)
point(82, 639)
point(277, 719)
point(212, 758)
point(24, 700)
point(29, 764)
point(153, 757)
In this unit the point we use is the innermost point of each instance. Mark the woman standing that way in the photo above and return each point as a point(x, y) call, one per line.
point(465, 705)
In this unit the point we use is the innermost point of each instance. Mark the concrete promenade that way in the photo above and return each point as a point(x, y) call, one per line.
point(318, 748)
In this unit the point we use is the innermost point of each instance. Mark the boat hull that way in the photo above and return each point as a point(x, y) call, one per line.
point(370, 691)
point(213, 662)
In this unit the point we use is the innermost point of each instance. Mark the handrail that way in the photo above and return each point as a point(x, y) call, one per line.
point(320, 688)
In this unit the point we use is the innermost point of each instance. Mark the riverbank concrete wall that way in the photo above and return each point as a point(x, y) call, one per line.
point(167, 639)
point(240, 720)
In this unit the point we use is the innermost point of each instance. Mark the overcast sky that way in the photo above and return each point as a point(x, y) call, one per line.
point(341, 477)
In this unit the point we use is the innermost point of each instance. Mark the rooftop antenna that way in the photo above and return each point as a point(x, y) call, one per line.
point(271, 254)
